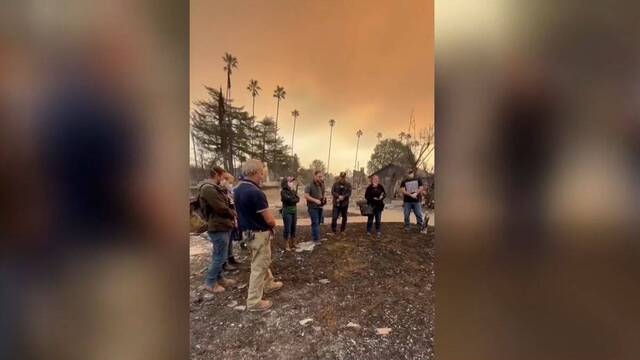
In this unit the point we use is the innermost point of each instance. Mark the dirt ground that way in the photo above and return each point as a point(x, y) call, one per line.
point(373, 283)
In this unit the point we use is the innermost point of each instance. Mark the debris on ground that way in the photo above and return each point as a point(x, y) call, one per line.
point(400, 296)
point(383, 331)
point(305, 321)
point(305, 246)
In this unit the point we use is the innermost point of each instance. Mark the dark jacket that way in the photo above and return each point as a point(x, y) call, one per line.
point(341, 188)
point(375, 192)
point(220, 215)
point(289, 197)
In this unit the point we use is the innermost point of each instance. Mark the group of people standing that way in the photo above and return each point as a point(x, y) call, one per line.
point(341, 191)
point(243, 212)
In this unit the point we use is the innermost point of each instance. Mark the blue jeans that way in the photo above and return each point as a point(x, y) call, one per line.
point(220, 240)
point(315, 214)
point(377, 214)
point(290, 221)
point(407, 208)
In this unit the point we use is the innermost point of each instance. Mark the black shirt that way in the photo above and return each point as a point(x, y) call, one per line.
point(411, 186)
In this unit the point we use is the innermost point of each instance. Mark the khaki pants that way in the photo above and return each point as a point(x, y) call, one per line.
point(261, 276)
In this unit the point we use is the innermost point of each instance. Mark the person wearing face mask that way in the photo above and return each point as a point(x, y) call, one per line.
point(289, 197)
point(227, 183)
point(375, 195)
point(220, 221)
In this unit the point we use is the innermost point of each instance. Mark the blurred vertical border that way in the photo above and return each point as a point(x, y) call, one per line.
point(538, 131)
point(94, 151)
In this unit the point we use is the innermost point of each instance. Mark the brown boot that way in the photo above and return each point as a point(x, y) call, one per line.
point(215, 288)
point(275, 286)
point(261, 306)
point(227, 282)
point(228, 267)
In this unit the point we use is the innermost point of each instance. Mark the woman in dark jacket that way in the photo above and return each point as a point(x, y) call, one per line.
point(289, 198)
point(375, 198)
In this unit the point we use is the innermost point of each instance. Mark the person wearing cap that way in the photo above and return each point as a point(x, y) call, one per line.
point(341, 191)
point(411, 188)
point(289, 197)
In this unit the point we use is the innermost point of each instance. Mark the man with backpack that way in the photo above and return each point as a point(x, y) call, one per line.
point(341, 191)
point(216, 209)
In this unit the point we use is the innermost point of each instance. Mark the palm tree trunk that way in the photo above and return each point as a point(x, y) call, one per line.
point(277, 112)
point(355, 164)
point(329, 158)
point(294, 134)
point(253, 108)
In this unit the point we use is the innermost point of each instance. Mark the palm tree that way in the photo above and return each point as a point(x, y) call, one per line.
point(332, 123)
point(230, 63)
point(379, 136)
point(295, 114)
point(279, 94)
point(358, 134)
point(254, 90)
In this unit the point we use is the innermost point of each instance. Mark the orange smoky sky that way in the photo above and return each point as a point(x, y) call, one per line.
point(365, 63)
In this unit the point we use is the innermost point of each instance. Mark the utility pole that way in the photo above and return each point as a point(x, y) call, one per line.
point(355, 164)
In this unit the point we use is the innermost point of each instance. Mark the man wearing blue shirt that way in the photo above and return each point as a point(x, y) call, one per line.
point(256, 222)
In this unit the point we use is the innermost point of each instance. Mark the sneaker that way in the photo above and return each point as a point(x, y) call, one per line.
point(227, 282)
point(379, 234)
point(332, 233)
point(262, 305)
point(368, 233)
point(275, 286)
point(323, 239)
point(215, 288)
